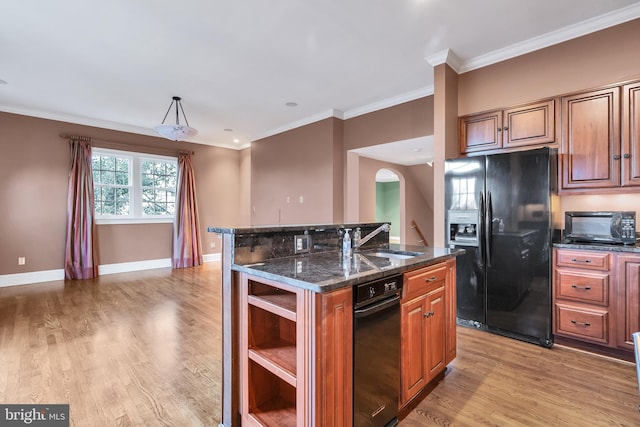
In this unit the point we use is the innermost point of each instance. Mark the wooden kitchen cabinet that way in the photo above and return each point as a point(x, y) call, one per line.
point(424, 319)
point(628, 299)
point(288, 355)
point(582, 295)
point(591, 139)
point(450, 289)
point(631, 135)
point(525, 125)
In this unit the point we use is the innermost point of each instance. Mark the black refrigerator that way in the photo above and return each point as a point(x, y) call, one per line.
point(499, 208)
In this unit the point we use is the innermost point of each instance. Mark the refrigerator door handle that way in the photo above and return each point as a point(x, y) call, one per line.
point(489, 230)
point(481, 214)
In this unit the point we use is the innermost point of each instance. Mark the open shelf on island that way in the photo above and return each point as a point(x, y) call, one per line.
point(272, 401)
point(272, 299)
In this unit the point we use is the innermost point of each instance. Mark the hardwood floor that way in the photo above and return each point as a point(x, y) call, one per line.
point(126, 349)
point(498, 381)
point(144, 349)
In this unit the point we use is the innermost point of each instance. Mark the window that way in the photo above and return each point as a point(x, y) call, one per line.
point(133, 187)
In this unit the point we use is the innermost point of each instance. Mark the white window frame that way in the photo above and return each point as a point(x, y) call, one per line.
point(136, 215)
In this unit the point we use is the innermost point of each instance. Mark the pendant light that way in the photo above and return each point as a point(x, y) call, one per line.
point(175, 132)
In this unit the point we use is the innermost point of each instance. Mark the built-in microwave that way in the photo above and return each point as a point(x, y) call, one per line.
point(613, 227)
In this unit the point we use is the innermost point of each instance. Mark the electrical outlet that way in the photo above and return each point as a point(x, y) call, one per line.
point(212, 245)
point(302, 243)
point(22, 260)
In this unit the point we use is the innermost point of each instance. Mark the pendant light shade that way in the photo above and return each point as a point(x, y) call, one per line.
point(176, 132)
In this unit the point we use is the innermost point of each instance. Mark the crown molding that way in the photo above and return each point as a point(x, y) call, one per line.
point(104, 124)
point(445, 56)
point(570, 32)
point(389, 102)
point(299, 123)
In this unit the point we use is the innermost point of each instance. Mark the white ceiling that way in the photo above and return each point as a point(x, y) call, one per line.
point(117, 63)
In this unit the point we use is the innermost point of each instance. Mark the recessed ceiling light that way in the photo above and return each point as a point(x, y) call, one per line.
point(417, 150)
point(291, 104)
point(236, 140)
point(228, 130)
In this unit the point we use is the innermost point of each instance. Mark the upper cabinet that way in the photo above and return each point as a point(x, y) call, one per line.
point(591, 139)
point(529, 124)
point(631, 134)
point(601, 140)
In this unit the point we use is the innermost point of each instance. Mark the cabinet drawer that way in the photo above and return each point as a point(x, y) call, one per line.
point(423, 280)
point(583, 259)
point(582, 323)
point(585, 287)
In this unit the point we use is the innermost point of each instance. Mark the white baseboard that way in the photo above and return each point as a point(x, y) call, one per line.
point(122, 267)
point(32, 277)
point(212, 257)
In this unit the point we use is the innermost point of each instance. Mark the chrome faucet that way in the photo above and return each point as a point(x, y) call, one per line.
point(359, 241)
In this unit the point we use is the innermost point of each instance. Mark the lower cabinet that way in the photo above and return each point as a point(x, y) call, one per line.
point(426, 346)
point(296, 347)
point(597, 296)
point(628, 299)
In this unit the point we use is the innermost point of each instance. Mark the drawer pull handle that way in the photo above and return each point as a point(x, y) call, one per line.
point(429, 313)
point(575, 322)
point(586, 288)
point(587, 261)
point(431, 279)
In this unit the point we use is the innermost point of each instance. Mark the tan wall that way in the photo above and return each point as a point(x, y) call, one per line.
point(294, 164)
point(34, 169)
point(404, 121)
point(605, 57)
point(600, 58)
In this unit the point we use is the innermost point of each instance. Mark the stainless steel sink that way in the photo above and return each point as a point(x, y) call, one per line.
point(391, 254)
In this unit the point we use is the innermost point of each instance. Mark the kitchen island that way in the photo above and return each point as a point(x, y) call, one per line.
point(288, 320)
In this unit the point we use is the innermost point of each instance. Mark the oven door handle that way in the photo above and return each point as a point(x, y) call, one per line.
point(376, 308)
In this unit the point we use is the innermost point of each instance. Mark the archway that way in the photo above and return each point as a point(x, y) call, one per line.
point(389, 206)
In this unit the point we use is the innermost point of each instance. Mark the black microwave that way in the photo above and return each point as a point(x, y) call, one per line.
point(600, 227)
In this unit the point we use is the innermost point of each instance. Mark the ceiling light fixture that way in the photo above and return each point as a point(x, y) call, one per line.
point(176, 131)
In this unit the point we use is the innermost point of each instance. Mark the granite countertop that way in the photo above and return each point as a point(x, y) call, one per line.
point(327, 271)
point(598, 246)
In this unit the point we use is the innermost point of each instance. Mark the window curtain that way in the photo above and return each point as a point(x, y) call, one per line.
point(80, 255)
point(187, 247)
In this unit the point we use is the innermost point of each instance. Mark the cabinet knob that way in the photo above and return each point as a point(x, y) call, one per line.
point(506, 128)
point(499, 129)
point(429, 313)
point(431, 279)
point(627, 155)
point(616, 157)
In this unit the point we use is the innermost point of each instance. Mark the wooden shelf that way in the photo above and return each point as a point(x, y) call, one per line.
point(276, 412)
point(278, 357)
point(283, 305)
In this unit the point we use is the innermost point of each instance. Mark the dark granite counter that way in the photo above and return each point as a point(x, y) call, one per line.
point(598, 247)
point(327, 271)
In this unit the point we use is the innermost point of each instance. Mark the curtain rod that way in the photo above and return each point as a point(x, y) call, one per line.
point(89, 139)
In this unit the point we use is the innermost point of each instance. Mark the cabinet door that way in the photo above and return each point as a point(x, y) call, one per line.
point(631, 135)
point(591, 140)
point(529, 124)
point(481, 132)
point(413, 371)
point(628, 299)
point(436, 320)
point(450, 288)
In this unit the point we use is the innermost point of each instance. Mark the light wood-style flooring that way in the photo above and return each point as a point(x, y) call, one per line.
point(143, 348)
